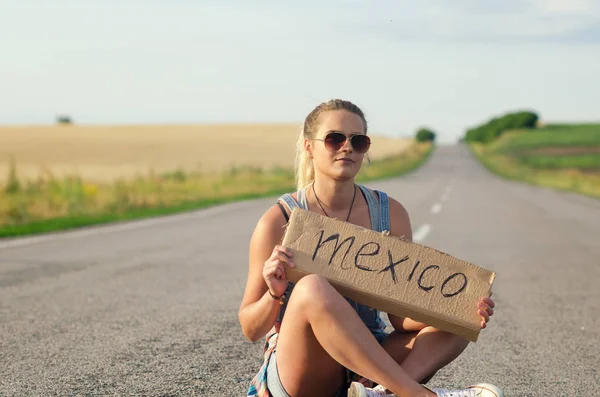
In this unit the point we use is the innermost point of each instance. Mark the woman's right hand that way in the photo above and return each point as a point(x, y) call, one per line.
point(274, 270)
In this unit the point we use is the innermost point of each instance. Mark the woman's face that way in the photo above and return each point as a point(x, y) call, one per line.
point(339, 162)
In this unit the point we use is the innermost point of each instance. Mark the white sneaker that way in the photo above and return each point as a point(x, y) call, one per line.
point(478, 390)
point(359, 390)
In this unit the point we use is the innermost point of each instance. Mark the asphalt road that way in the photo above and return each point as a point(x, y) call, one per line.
point(150, 307)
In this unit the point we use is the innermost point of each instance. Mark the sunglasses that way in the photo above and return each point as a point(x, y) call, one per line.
point(334, 141)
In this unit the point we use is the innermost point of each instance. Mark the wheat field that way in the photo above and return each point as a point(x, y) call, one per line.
point(102, 153)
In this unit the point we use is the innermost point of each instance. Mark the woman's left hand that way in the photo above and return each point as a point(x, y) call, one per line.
point(485, 310)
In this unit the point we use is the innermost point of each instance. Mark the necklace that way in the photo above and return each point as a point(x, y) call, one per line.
point(325, 212)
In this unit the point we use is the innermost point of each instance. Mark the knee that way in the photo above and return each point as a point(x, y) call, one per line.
point(313, 289)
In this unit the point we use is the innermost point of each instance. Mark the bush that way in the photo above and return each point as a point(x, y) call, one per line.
point(497, 125)
point(64, 119)
point(425, 135)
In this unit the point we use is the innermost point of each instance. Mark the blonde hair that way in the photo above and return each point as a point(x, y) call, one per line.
point(305, 172)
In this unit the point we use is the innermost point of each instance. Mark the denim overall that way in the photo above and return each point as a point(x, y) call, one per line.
point(379, 213)
point(266, 382)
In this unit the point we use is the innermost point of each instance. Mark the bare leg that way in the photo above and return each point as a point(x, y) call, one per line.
point(433, 349)
point(320, 330)
point(423, 353)
point(397, 344)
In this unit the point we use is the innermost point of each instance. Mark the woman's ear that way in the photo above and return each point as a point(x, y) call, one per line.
point(308, 147)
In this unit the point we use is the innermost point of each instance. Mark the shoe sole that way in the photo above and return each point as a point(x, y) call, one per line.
point(489, 390)
point(357, 390)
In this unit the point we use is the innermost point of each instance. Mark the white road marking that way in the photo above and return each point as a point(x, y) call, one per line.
point(436, 208)
point(111, 228)
point(447, 191)
point(421, 233)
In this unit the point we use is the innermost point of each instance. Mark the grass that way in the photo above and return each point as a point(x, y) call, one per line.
point(51, 203)
point(565, 157)
point(582, 161)
point(559, 135)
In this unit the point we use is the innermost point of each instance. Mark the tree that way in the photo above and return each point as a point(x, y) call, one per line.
point(424, 135)
point(496, 126)
point(64, 119)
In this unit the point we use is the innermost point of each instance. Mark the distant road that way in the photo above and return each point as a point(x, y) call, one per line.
point(150, 307)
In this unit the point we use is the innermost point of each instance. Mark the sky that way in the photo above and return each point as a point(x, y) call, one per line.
point(445, 65)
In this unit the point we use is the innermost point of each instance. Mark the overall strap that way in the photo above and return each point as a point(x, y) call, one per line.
point(289, 201)
point(384, 203)
point(373, 204)
point(302, 198)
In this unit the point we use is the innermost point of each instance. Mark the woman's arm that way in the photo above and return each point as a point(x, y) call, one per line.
point(258, 310)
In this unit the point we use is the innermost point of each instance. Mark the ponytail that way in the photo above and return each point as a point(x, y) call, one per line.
point(305, 171)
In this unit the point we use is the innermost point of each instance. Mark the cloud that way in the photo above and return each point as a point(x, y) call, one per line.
point(566, 7)
point(472, 20)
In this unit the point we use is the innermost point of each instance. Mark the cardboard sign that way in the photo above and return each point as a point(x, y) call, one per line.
point(389, 274)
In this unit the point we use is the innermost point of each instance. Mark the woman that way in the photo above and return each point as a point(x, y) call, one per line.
point(327, 339)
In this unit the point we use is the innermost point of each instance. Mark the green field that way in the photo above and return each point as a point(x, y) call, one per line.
point(561, 156)
point(584, 161)
point(553, 135)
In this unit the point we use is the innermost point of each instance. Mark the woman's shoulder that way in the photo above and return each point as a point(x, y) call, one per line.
point(274, 219)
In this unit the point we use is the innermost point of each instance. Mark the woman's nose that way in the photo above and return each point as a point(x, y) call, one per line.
point(347, 147)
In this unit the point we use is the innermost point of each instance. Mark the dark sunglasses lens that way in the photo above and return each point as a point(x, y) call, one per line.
point(334, 141)
point(361, 143)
